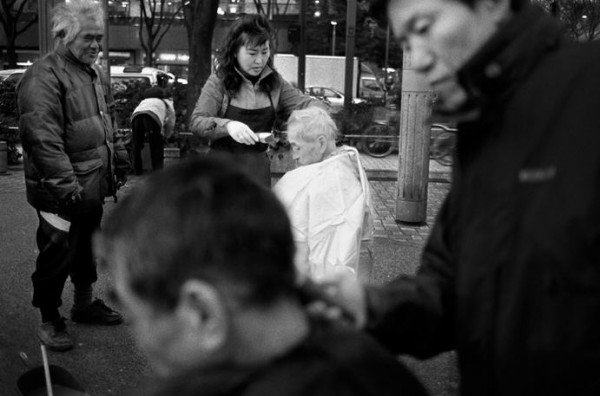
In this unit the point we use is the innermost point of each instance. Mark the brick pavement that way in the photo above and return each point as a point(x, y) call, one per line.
point(382, 175)
point(383, 195)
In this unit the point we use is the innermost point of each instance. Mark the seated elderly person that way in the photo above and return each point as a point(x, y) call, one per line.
point(327, 197)
point(202, 257)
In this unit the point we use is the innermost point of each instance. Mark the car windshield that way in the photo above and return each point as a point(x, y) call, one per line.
point(330, 93)
point(122, 83)
point(324, 92)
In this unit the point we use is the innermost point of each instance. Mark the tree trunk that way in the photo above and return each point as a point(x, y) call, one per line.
point(10, 15)
point(149, 61)
point(11, 55)
point(200, 19)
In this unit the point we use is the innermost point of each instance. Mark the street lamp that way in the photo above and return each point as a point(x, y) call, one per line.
point(333, 23)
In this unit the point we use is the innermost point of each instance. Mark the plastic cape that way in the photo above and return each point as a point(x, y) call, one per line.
point(329, 206)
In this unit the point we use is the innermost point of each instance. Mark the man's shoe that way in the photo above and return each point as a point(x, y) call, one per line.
point(96, 313)
point(55, 336)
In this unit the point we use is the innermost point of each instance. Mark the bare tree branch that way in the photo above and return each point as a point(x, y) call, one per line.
point(11, 13)
point(27, 26)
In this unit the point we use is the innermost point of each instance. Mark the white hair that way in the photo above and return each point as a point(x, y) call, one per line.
point(312, 122)
point(67, 17)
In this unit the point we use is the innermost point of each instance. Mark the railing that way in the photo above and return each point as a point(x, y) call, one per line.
point(382, 139)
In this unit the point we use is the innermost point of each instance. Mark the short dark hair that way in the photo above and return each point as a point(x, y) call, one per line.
point(378, 8)
point(248, 29)
point(202, 219)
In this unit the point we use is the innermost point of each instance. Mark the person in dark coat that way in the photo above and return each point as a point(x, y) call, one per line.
point(202, 257)
point(73, 159)
point(510, 276)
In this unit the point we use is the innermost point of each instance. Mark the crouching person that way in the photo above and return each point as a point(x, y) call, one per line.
point(327, 198)
point(202, 258)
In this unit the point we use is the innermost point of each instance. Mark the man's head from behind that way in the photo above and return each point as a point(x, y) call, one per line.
point(312, 134)
point(191, 250)
point(443, 35)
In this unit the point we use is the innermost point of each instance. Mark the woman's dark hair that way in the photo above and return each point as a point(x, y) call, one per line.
point(248, 30)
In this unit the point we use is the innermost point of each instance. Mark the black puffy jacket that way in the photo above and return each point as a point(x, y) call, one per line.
point(510, 277)
point(67, 133)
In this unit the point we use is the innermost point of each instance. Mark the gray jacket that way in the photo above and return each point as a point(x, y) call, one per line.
point(207, 119)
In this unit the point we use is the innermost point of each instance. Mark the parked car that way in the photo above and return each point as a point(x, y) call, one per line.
point(122, 76)
point(371, 88)
point(12, 75)
point(331, 96)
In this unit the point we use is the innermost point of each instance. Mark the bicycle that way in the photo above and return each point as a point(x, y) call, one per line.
point(381, 139)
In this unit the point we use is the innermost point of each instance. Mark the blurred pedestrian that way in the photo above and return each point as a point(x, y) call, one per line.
point(153, 121)
point(73, 160)
point(202, 258)
point(327, 197)
point(246, 96)
point(510, 276)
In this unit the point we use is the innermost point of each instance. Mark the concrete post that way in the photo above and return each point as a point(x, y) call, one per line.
point(413, 162)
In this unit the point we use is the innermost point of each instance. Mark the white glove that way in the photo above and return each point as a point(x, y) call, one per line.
point(241, 133)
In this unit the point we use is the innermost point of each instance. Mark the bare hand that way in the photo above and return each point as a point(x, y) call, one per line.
point(338, 296)
point(241, 133)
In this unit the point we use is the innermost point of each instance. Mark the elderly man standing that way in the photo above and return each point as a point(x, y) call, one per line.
point(72, 161)
point(327, 197)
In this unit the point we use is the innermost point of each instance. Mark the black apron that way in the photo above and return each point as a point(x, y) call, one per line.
point(254, 158)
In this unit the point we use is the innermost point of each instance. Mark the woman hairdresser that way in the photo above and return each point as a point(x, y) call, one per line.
point(244, 96)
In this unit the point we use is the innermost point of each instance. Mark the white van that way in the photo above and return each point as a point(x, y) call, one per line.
point(121, 76)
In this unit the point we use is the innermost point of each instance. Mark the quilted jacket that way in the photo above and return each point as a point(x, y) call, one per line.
point(69, 142)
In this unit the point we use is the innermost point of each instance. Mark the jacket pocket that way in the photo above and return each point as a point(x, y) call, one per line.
point(88, 174)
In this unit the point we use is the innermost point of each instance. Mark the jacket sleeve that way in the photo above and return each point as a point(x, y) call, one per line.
point(205, 120)
point(415, 315)
point(41, 121)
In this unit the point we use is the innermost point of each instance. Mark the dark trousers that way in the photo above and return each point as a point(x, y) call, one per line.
point(64, 254)
point(145, 127)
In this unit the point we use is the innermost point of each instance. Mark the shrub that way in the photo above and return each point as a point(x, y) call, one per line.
point(9, 120)
point(8, 103)
point(126, 100)
point(354, 119)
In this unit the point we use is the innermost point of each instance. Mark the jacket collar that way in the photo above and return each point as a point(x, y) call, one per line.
point(508, 57)
point(68, 56)
point(265, 72)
